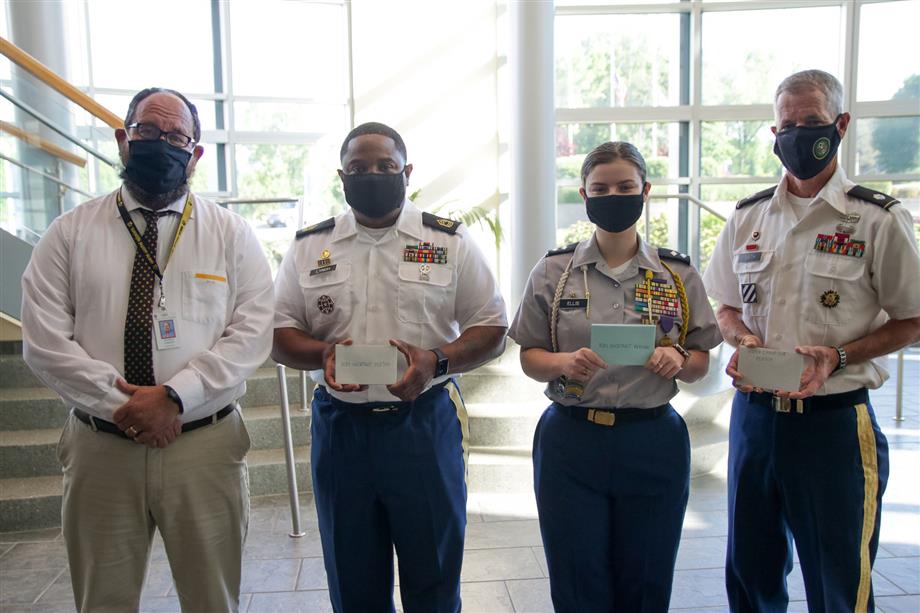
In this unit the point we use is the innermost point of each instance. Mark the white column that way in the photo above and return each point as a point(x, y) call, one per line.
point(38, 29)
point(533, 197)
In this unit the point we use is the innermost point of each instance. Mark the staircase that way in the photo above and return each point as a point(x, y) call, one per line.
point(503, 406)
point(31, 418)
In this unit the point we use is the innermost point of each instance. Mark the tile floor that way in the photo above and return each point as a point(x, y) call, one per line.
point(504, 567)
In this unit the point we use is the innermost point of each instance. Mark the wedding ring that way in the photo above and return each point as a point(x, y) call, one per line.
point(131, 431)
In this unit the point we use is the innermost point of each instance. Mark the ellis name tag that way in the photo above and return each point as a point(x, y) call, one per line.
point(771, 369)
point(623, 344)
point(365, 364)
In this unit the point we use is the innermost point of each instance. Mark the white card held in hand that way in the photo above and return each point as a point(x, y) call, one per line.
point(365, 364)
point(771, 369)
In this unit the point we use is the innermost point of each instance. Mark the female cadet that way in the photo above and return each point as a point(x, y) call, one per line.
point(611, 457)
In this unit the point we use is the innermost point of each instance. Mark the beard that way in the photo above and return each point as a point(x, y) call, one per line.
point(154, 201)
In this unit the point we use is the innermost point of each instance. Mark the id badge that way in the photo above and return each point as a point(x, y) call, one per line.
point(165, 330)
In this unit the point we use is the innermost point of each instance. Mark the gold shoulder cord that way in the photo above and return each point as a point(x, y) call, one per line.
point(684, 303)
point(554, 314)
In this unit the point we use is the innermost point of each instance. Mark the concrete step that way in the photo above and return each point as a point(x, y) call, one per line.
point(29, 453)
point(31, 503)
point(30, 408)
point(497, 424)
point(262, 388)
point(15, 373)
point(266, 429)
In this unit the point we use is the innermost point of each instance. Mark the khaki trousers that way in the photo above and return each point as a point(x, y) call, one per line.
point(117, 492)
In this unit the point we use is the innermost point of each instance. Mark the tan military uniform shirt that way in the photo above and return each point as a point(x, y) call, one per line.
point(612, 301)
point(828, 278)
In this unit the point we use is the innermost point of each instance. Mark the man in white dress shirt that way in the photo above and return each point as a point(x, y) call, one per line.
point(388, 461)
point(146, 309)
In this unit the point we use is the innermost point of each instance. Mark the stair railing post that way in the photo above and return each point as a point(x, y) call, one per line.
point(296, 532)
point(899, 403)
point(304, 400)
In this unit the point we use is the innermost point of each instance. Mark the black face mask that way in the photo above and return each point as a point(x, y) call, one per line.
point(156, 166)
point(806, 151)
point(615, 212)
point(375, 195)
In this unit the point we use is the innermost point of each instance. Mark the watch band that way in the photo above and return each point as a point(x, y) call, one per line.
point(683, 352)
point(443, 363)
point(174, 396)
point(841, 359)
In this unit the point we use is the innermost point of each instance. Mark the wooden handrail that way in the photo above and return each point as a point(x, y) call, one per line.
point(47, 146)
point(55, 82)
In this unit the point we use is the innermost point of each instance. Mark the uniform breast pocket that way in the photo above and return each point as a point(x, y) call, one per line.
point(754, 269)
point(831, 287)
point(204, 295)
point(328, 298)
point(423, 296)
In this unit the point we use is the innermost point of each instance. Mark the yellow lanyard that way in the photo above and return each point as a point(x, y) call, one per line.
point(139, 242)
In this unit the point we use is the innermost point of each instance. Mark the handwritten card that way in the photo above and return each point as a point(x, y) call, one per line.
point(623, 344)
point(365, 364)
point(770, 369)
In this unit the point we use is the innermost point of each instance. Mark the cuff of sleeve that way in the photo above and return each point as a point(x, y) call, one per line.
point(723, 299)
point(108, 405)
point(189, 387)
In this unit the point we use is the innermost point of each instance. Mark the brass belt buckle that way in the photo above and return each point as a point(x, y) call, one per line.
point(604, 418)
point(782, 405)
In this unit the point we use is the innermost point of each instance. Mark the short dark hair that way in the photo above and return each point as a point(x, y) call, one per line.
point(612, 151)
point(146, 93)
point(373, 127)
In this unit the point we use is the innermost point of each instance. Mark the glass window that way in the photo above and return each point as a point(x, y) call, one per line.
point(738, 148)
point(747, 53)
point(908, 192)
point(289, 49)
point(888, 145)
point(161, 50)
point(119, 105)
point(722, 199)
point(289, 117)
point(656, 141)
point(887, 40)
point(617, 60)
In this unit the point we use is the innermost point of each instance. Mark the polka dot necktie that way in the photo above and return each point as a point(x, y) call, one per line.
point(139, 321)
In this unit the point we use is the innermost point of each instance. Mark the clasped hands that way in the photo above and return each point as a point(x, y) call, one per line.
point(149, 417)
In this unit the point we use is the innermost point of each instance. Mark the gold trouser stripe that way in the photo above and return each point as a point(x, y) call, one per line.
point(866, 437)
point(464, 419)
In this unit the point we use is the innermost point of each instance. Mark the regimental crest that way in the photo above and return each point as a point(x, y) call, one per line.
point(821, 148)
point(830, 299)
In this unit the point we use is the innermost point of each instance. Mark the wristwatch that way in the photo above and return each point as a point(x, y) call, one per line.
point(443, 363)
point(683, 352)
point(841, 360)
point(174, 396)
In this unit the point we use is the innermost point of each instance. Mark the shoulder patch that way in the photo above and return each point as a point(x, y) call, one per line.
point(670, 254)
point(440, 223)
point(761, 195)
point(870, 195)
point(567, 249)
point(317, 227)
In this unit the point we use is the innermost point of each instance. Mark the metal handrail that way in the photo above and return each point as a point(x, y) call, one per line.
point(290, 463)
point(48, 122)
point(232, 201)
point(699, 203)
point(46, 175)
point(57, 83)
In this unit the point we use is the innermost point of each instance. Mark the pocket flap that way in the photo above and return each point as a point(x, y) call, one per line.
point(750, 261)
point(329, 277)
point(438, 274)
point(834, 266)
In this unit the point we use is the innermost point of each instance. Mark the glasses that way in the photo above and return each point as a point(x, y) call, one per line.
point(149, 131)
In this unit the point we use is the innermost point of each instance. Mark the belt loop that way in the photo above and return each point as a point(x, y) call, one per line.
point(214, 417)
point(799, 406)
point(92, 423)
